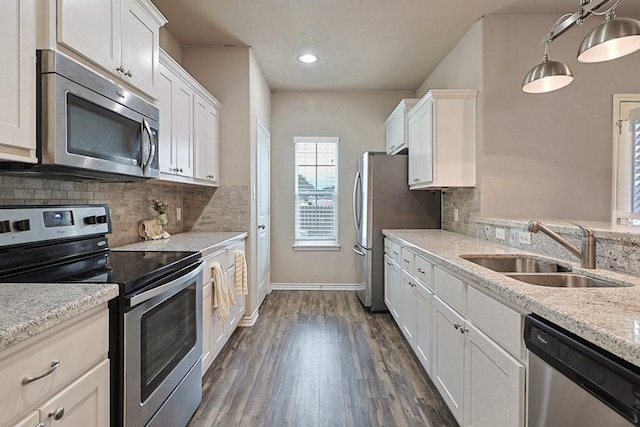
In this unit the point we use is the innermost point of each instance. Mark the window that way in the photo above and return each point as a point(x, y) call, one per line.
point(316, 192)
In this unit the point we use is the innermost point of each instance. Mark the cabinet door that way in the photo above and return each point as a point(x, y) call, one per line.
point(389, 137)
point(92, 29)
point(32, 420)
point(207, 333)
point(206, 139)
point(424, 324)
point(408, 316)
point(183, 127)
point(83, 403)
point(415, 146)
point(396, 293)
point(425, 154)
point(448, 359)
point(494, 384)
point(167, 150)
point(140, 47)
point(18, 88)
point(388, 278)
point(231, 322)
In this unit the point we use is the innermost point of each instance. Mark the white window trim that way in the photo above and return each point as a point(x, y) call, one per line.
point(319, 245)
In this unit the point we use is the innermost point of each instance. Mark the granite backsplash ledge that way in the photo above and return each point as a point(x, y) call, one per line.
point(617, 248)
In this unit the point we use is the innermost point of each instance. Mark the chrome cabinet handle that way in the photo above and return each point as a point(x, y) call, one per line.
point(128, 73)
point(389, 263)
point(406, 260)
point(457, 325)
point(463, 329)
point(261, 227)
point(54, 365)
point(413, 285)
point(57, 414)
point(420, 270)
point(416, 179)
point(120, 69)
point(395, 253)
point(40, 425)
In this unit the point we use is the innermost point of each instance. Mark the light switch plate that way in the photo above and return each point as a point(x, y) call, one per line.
point(178, 214)
point(455, 215)
point(500, 234)
point(524, 238)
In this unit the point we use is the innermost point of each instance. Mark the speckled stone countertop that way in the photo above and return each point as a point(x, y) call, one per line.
point(28, 309)
point(206, 243)
point(607, 317)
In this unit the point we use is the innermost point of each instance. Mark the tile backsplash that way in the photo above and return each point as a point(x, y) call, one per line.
point(467, 201)
point(128, 202)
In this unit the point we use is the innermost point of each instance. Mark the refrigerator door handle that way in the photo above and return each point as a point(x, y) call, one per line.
point(357, 250)
point(355, 190)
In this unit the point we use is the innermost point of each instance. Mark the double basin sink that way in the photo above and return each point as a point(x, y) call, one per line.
point(537, 272)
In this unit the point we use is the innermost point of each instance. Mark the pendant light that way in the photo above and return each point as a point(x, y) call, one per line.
point(614, 38)
point(547, 76)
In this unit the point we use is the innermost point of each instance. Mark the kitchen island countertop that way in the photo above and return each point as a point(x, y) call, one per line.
point(607, 317)
point(29, 308)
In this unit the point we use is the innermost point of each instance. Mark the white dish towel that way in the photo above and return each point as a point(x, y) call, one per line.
point(241, 287)
point(222, 294)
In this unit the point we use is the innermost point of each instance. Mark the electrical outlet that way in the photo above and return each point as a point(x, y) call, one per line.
point(455, 215)
point(524, 238)
point(500, 234)
point(178, 214)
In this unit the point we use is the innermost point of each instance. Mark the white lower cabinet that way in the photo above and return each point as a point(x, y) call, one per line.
point(424, 326)
point(468, 342)
point(408, 313)
point(494, 383)
point(448, 361)
point(216, 332)
point(31, 420)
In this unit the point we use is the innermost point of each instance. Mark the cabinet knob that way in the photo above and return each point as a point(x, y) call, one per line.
point(57, 414)
point(406, 260)
point(416, 179)
point(120, 69)
point(261, 227)
point(420, 270)
point(457, 325)
point(128, 73)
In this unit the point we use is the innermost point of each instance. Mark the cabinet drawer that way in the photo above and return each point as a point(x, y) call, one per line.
point(423, 271)
point(407, 259)
point(450, 289)
point(91, 334)
point(395, 252)
point(231, 253)
point(221, 257)
point(502, 324)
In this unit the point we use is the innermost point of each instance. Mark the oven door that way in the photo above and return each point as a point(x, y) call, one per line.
point(162, 342)
point(82, 129)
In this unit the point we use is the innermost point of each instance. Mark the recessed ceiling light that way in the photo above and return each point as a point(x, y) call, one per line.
point(308, 58)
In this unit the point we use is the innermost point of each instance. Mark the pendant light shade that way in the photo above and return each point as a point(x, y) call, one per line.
point(547, 77)
point(614, 38)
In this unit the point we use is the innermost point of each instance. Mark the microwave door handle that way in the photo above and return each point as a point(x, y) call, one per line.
point(152, 147)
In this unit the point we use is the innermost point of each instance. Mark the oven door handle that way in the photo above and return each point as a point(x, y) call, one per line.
point(177, 284)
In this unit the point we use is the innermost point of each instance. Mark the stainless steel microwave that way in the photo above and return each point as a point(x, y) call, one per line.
point(90, 127)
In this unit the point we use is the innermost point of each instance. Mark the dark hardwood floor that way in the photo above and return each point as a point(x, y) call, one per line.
point(317, 358)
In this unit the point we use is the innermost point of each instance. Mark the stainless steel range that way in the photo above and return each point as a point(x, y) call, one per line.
point(155, 323)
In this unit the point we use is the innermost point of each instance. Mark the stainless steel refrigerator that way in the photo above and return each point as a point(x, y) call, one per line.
point(382, 199)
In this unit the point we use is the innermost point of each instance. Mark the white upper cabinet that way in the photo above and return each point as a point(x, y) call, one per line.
point(18, 74)
point(397, 129)
point(121, 36)
point(442, 140)
point(206, 138)
point(189, 127)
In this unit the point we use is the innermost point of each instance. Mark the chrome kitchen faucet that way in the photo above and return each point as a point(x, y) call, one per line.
point(587, 253)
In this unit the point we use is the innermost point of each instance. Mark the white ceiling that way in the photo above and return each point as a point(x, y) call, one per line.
point(362, 44)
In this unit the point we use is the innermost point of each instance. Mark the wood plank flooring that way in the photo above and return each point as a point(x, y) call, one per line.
point(317, 358)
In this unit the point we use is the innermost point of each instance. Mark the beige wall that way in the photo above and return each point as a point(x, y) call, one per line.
point(170, 45)
point(546, 155)
point(234, 77)
point(357, 118)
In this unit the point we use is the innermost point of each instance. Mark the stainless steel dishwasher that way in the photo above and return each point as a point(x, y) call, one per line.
point(574, 383)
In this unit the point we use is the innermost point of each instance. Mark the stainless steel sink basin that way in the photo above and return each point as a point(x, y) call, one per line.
point(562, 280)
point(515, 264)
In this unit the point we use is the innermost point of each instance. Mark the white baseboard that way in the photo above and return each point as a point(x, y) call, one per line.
point(316, 286)
point(249, 320)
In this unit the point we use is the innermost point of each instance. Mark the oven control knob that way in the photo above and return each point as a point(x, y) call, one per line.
point(22, 225)
point(102, 219)
point(90, 219)
point(5, 227)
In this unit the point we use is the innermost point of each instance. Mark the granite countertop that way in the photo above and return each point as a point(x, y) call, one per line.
point(28, 309)
point(607, 317)
point(206, 243)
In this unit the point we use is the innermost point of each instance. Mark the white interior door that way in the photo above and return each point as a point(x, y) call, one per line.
point(626, 160)
point(264, 219)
